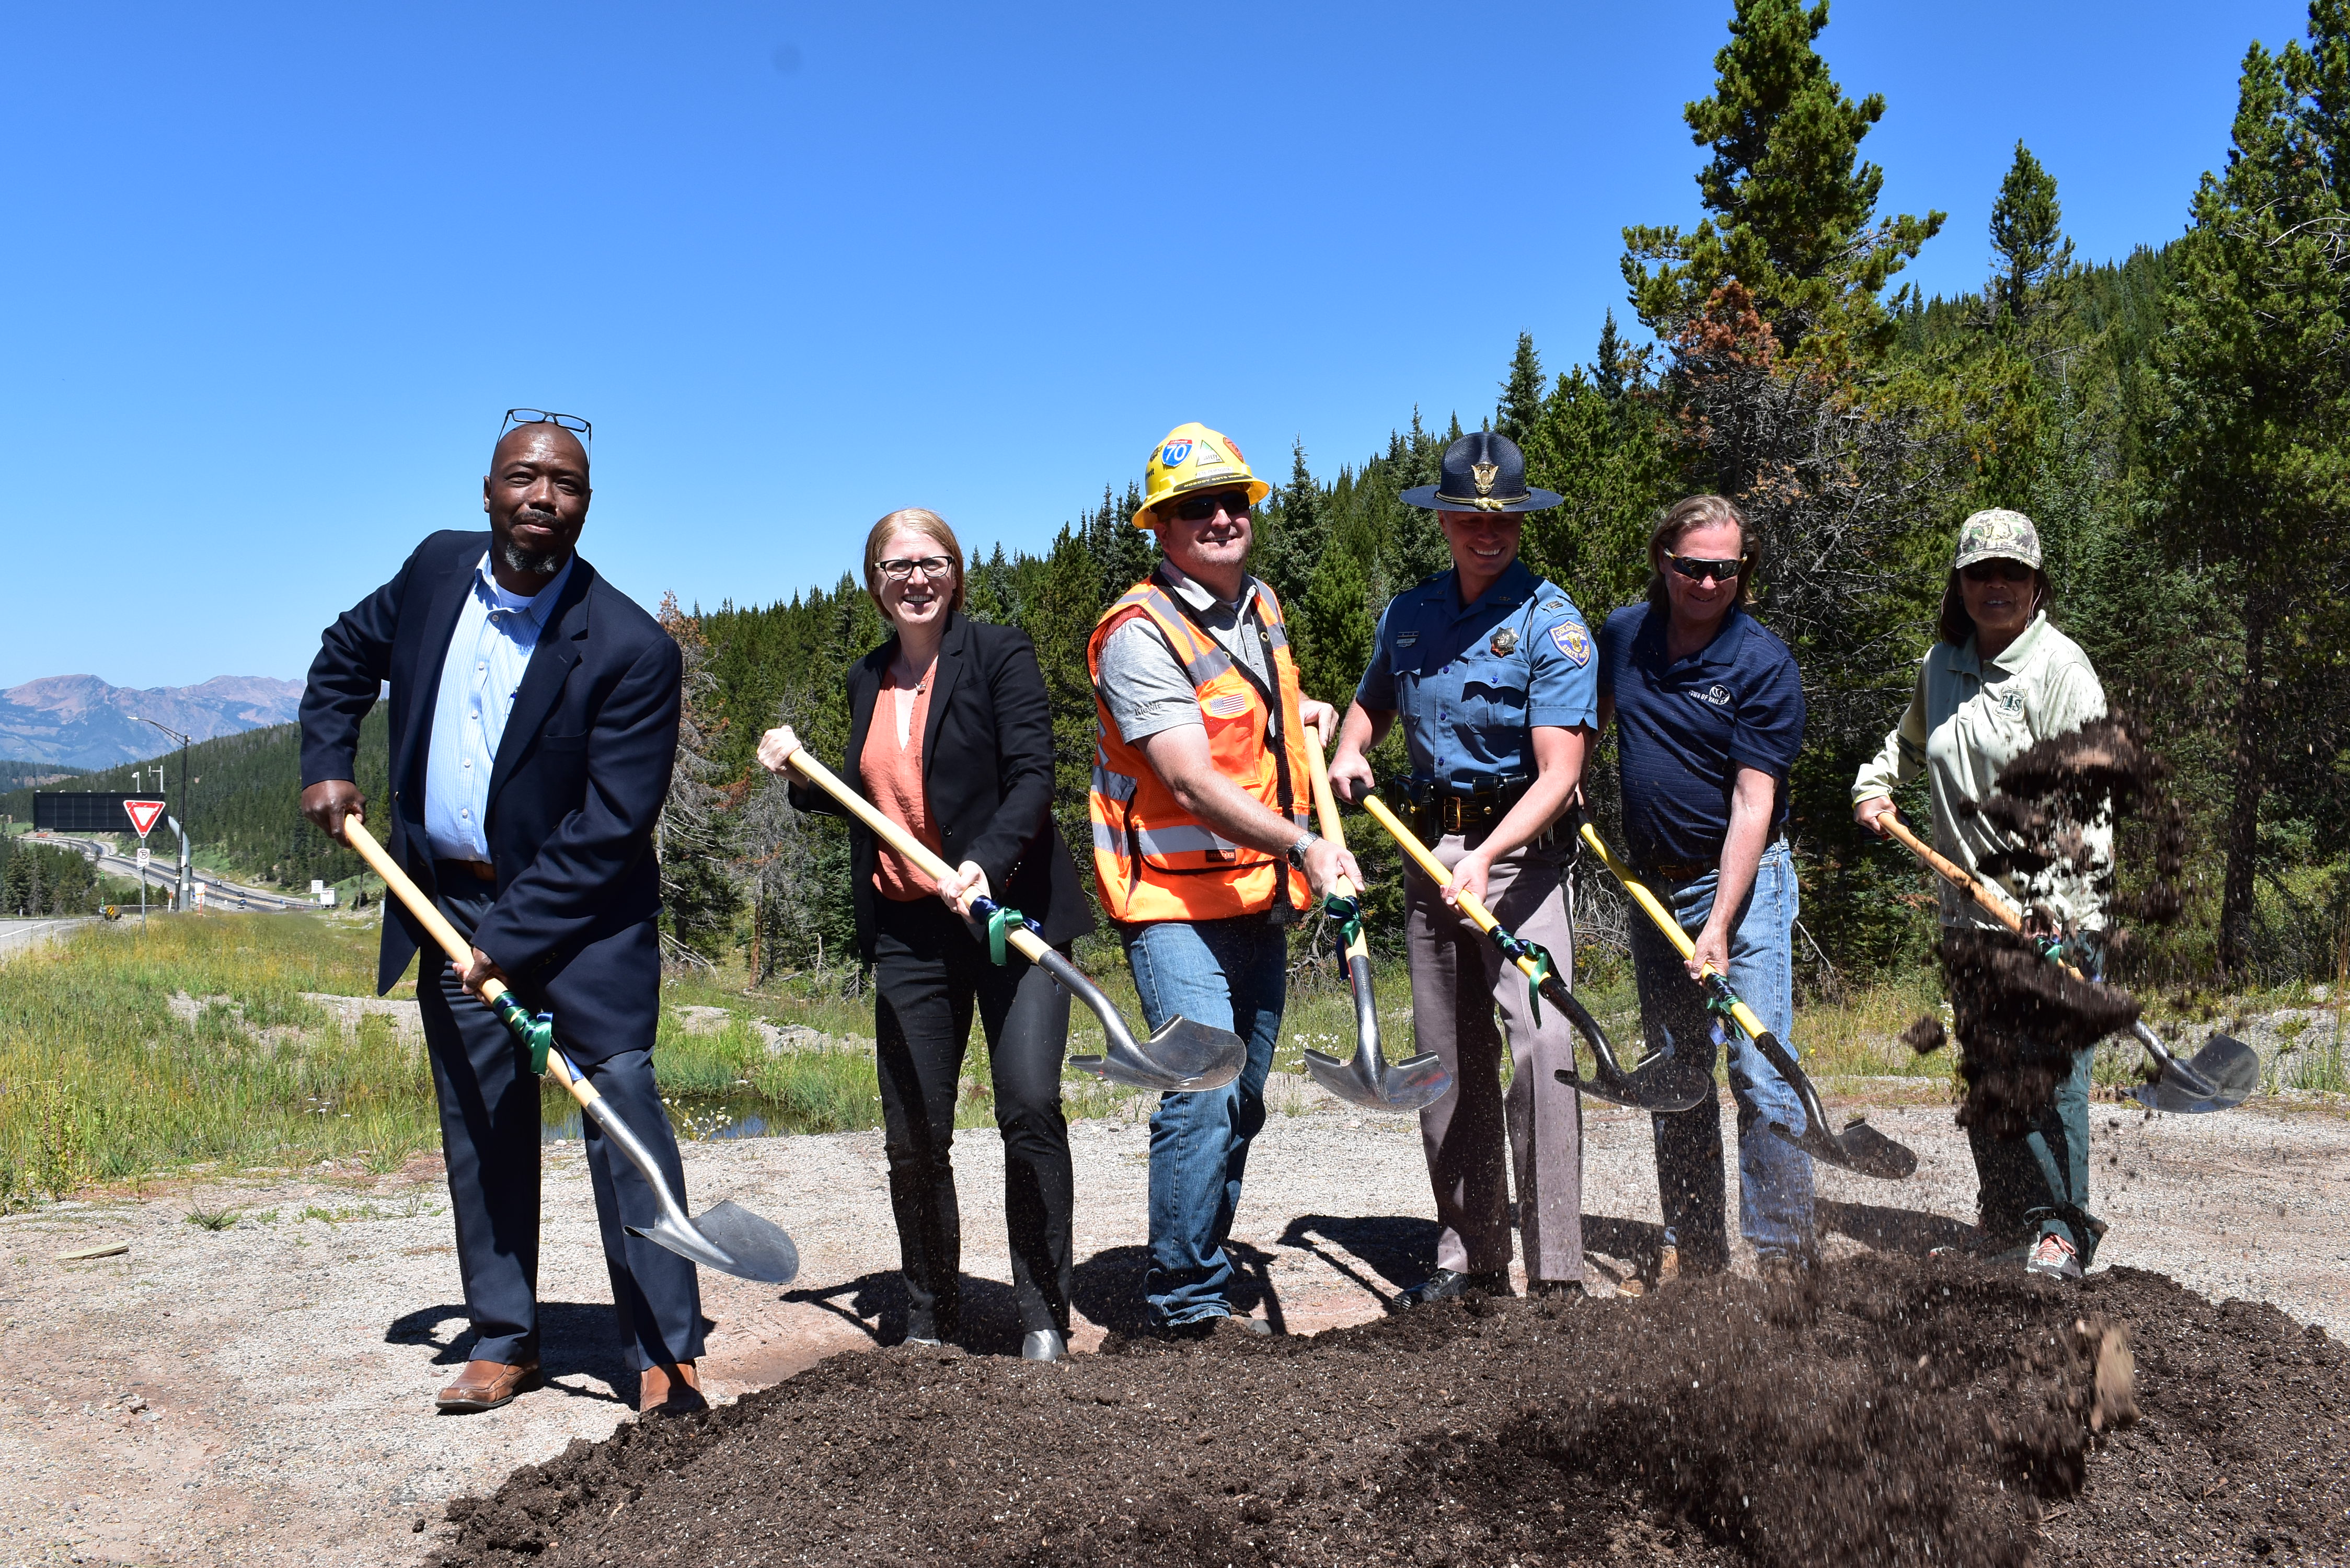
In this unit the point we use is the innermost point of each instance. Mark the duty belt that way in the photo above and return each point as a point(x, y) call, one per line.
point(1436, 809)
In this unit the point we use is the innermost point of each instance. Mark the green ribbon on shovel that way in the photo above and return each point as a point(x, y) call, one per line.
point(1000, 920)
point(1349, 913)
point(1515, 948)
point(538, 1032)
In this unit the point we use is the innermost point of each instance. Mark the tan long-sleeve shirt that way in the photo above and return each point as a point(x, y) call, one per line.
point(1966, 722)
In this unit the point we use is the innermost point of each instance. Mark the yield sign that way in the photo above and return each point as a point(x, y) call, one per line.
point(143, 814)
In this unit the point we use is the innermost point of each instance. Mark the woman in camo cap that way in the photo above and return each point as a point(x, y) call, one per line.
point(2000, 679)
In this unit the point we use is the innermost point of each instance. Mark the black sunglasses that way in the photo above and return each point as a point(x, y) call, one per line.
point(1996, 570)
point(517, 418)
point(1697, 570)
point(1200, 508)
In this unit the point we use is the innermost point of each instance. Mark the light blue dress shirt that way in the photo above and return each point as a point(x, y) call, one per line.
point(491, 647)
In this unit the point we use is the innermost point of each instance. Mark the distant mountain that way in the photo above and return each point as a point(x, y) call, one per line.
point(81, 721)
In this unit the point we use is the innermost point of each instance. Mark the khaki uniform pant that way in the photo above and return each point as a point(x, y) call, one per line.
point(1458, 977)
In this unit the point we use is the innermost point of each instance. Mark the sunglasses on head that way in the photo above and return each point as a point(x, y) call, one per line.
point(1697, 570)
point(1998, 570)
point(572, 423)
point(1202, 508)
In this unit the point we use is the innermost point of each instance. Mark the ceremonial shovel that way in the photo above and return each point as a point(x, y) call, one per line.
point(1181, 1058)
point(729, 1238)
point(1663, 1083)
point(2220, 1076)
point(1367, 1080)
point(1859, 1146)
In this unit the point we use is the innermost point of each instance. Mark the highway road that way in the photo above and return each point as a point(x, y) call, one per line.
point(22, 936)
point(219, 893)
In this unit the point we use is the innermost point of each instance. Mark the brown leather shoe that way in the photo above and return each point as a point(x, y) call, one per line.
point(672, 1390)
point(486, 1384)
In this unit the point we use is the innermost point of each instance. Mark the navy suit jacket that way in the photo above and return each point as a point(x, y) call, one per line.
point(576, 790)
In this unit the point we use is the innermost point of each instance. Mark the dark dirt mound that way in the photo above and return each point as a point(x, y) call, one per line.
point(2020, 1018)
point(1897, 1411)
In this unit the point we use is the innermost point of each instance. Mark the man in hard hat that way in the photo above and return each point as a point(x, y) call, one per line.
point(1490, 669)
point(1200, 804)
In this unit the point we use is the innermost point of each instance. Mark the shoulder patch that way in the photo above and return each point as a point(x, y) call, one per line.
point(1572, 640)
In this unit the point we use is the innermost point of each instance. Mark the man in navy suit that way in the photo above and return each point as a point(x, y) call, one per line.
point(534, 725)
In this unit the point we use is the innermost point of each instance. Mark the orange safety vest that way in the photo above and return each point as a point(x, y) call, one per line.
point(1154, 860)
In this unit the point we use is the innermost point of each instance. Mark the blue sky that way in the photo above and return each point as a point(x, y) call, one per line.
point(274, 273)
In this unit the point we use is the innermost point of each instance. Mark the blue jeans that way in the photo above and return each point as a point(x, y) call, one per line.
point(1227, 974)
point(1774, 1178)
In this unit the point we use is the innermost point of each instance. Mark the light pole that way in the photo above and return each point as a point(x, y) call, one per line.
point(180, 901)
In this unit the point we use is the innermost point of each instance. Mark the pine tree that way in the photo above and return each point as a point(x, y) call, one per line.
point(1521, 393)
point(2031, 254)
point(698, 897)
point(1794, 209)
point(2253, 452)
point(1291, 533)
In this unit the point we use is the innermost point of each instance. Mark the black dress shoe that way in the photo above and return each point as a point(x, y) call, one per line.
point(1450, 1284)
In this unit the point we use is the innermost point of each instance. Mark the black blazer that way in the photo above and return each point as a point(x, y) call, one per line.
point(992, 721)
point(577, 784)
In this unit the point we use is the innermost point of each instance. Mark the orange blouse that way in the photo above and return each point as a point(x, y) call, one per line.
point(893, 781)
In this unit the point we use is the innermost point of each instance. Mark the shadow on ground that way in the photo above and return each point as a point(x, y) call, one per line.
point(575, 1339)
point(1896, 1230)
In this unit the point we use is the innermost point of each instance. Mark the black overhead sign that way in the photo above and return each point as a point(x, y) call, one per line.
point(80, 811)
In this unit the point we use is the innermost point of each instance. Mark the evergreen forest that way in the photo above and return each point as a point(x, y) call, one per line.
point(2174, 422)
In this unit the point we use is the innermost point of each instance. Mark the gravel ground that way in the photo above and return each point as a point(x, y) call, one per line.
point(262, 1392)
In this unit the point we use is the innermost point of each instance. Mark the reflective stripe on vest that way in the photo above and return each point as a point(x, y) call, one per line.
point(1152, 860)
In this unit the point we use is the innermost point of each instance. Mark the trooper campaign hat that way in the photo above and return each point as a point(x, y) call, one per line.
point(1483, 472)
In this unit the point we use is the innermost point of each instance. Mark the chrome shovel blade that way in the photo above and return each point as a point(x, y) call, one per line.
point(732, 1240)
point(1180, 1057)
point(2216, 1078)
point(1412, 1084)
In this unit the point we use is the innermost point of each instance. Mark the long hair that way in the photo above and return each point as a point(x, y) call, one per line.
point(912, 520)
point(1685, 518)
point(1956, 625)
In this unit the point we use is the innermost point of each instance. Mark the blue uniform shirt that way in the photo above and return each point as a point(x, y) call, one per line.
point(1470, 684)
point(1683, 730)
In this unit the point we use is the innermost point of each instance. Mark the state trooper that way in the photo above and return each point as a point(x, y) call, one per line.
point(1490, 669)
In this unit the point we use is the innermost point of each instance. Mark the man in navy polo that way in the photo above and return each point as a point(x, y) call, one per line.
point(1490, 669)
point(1710, 716)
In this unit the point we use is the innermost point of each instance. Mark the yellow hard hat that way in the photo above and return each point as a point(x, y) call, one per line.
point(1194, 457)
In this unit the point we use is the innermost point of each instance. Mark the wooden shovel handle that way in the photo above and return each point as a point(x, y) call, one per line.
point(1662, 919)
point(1029, 943)
point(460, 950)
point(1470, 905)
point(1959, 877)
point(1325, 805)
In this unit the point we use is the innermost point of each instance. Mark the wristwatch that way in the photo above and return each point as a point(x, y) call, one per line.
point(1306, 841)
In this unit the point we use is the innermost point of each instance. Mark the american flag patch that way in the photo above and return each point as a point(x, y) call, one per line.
point(1230, 705)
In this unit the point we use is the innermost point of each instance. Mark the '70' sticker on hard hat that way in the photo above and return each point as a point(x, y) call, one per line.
point(1172, 454)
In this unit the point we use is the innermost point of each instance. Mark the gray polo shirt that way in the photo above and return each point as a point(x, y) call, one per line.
point(1142, 682)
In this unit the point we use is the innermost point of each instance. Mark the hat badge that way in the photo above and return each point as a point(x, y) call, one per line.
point(1483, 472)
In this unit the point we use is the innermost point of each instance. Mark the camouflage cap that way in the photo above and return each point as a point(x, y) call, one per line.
point(1997, 535)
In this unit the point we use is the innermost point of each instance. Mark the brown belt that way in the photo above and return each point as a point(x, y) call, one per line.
point(1689, 870)
point(450, 870)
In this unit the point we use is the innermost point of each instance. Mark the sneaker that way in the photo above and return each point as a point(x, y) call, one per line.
point(1236, 1323)
point(2053, 1257)
point(1450, 1284)
point(1668, 1265)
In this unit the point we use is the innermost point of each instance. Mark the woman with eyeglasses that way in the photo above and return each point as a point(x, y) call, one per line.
point(2000, 679)
point(951, 736)
point(1709, 717)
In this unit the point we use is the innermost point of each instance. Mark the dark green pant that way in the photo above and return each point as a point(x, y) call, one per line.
point(2038, 1185)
